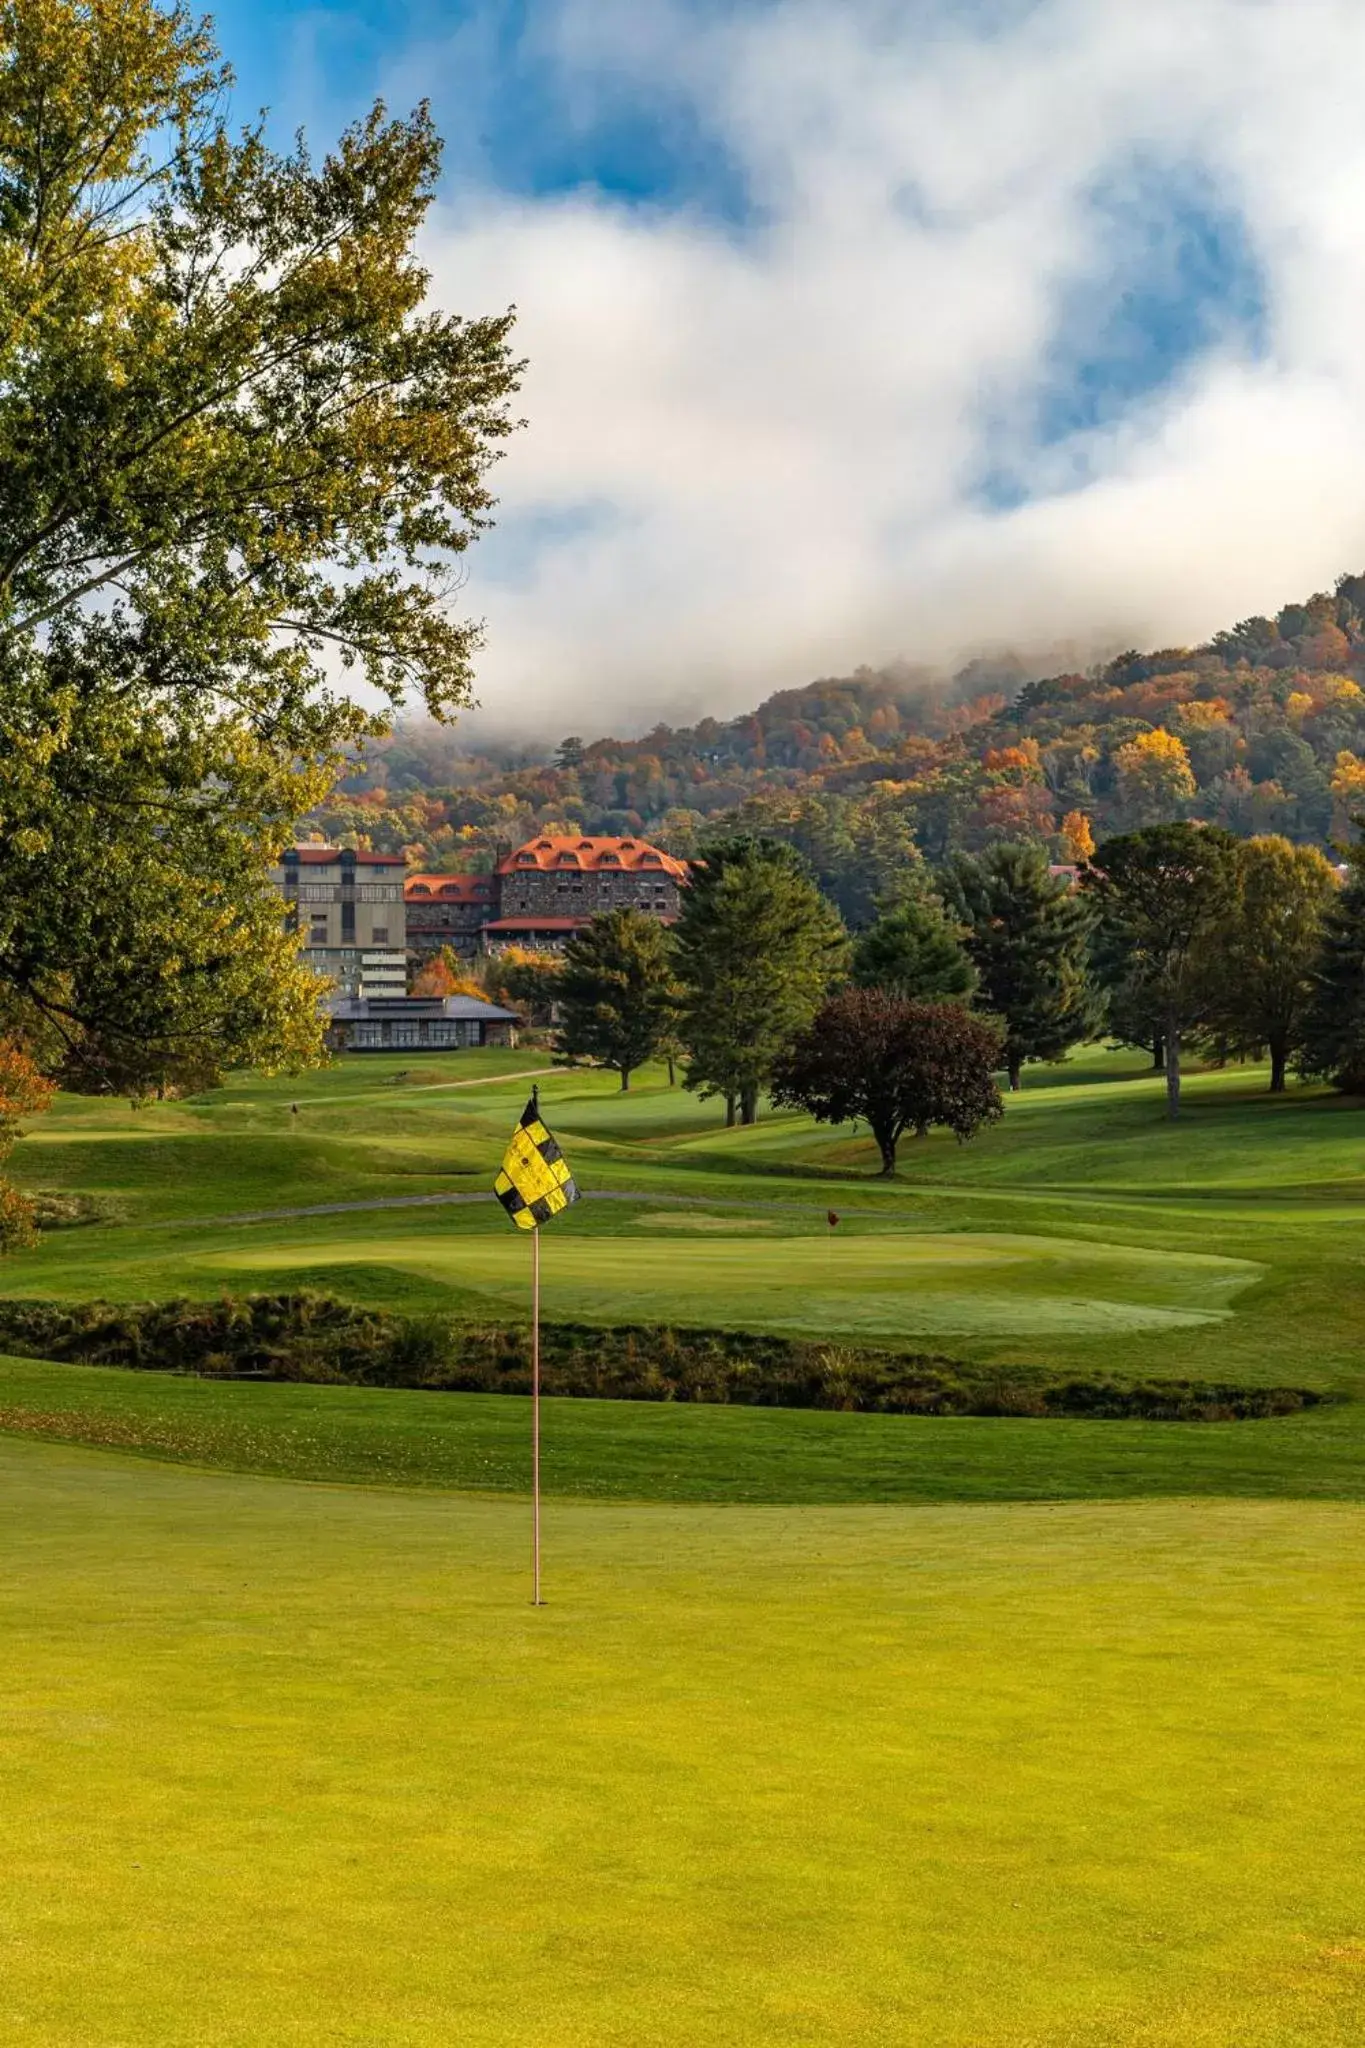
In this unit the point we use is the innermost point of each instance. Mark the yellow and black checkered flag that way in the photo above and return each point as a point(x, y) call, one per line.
point(535, 1182)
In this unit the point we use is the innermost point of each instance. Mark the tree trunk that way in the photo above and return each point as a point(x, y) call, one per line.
point(1013, 1068)
point(1158, 1054)
point(1172, 1071)
point(748, 1104)
point(625, 1079)
point(886, 1145)
point(729, 1112)
point(672, 1075)
point(1279, 1054)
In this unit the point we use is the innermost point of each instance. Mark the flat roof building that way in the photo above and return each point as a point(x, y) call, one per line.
point(418, 1023)
point(347, 908)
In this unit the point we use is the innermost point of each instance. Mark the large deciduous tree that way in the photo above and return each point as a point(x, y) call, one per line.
point(1163, 895)
point(239, 455)
point(875, 1058)
point(756, 947)
point(1263, 963)
point(1027, 934)
point(615, 992)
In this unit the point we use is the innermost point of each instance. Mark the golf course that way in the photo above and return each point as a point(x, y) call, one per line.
point(996, 1731)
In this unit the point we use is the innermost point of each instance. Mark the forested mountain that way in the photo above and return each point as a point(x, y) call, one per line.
point(1261, 730)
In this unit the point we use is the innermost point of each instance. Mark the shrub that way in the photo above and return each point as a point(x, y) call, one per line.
point(312, 1337)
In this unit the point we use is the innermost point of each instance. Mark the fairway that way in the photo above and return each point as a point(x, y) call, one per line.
point(301, 1766)
point(851, 1730)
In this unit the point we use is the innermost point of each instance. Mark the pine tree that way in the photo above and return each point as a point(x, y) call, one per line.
point(914, 951)
point(1333, 1033)
point(615, 992)
point(1028, 938)
point(756, 947)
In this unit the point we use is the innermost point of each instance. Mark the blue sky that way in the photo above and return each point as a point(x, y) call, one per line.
point(862, 330)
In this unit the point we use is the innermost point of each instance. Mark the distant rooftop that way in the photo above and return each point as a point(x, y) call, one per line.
point(449, 888)
point(461, 1009)
point(313, 855)
point(568, 853)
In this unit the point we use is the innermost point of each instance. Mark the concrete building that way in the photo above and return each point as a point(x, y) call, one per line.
point(417, 1023)
point(348, 911)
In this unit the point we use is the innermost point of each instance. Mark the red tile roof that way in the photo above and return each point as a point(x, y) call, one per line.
point(564, 851)
point(448, 888)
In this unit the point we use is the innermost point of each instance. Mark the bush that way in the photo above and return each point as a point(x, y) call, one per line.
point(312, 1337)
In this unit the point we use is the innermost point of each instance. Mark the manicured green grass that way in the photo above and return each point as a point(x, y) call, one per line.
point(1082, 1234)
point(296, 1766)
point(839, 1729)
point(641, 1450)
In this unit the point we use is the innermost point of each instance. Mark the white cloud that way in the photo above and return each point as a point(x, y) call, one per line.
point(756, 455)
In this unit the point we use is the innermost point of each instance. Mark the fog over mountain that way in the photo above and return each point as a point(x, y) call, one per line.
point(859, 332)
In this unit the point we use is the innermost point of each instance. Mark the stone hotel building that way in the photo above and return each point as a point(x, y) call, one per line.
point(541, 892)
point(358, 917)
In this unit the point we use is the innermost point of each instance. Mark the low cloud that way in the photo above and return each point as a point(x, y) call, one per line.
point(1022, 323)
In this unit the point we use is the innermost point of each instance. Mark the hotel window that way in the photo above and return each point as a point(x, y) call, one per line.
point(381, 935)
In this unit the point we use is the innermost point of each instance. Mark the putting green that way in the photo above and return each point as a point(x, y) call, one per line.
point(888, 1284)
point(300, 1766)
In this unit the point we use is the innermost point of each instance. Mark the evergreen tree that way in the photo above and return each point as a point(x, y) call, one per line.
point(1332, 1039)
point(914, 951)
point(756, 947)
point(1163, 895)
point(615, 992)
point(1027, 935)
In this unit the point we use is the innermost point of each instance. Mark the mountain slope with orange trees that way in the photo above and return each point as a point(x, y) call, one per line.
point(1262, 730)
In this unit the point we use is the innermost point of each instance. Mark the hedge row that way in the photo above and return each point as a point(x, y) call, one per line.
point(311, 1337)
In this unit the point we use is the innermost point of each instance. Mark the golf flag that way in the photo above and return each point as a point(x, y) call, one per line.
point(535, 1182)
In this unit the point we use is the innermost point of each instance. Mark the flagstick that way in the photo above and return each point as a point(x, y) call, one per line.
point(536, 1600)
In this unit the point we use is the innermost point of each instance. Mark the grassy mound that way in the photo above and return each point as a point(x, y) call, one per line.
point(315, 1338)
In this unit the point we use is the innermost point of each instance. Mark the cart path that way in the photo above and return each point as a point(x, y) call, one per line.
point(421, 1088)
point(453, 1200)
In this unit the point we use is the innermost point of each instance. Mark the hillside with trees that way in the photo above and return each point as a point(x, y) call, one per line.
point(1261, 730)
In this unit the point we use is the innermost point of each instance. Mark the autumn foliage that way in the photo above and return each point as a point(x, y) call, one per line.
point(894, 1065)
point(23, 1092)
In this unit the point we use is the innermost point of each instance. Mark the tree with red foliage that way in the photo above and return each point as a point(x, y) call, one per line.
point(23, 1092)
point(895, 1065)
